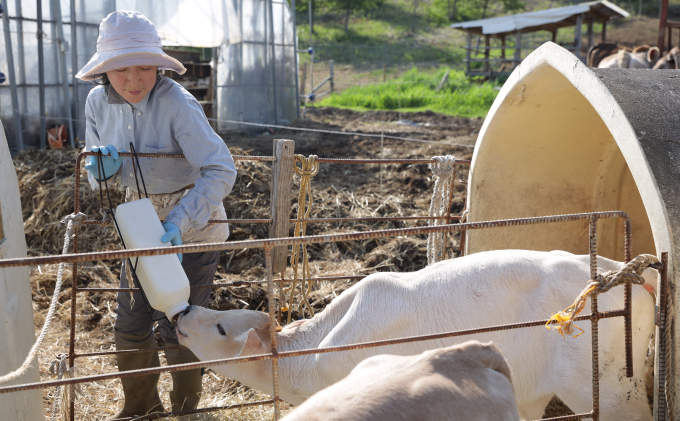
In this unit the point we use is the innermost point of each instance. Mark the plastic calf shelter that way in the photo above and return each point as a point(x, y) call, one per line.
point(16, 310)
point(564, 138)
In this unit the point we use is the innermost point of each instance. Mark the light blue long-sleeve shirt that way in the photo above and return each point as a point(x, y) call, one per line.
point(168, 120)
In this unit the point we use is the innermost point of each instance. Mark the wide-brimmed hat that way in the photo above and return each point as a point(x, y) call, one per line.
point(127, 39)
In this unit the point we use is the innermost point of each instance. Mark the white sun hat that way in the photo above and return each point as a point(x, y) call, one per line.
point(127, 39)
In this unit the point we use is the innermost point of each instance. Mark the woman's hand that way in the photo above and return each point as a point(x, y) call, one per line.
point(173, 235)
point(111, 162)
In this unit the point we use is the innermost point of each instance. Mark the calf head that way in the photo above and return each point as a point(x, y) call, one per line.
point(213, 335)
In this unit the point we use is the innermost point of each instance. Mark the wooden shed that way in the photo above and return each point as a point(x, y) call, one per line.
point(550, 20)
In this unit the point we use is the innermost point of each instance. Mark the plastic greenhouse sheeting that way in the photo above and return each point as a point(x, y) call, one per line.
point(239, 30)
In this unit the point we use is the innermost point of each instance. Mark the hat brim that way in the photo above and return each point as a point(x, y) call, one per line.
point(111, 60)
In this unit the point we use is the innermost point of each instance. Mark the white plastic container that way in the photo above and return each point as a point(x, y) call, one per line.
point(162, 277)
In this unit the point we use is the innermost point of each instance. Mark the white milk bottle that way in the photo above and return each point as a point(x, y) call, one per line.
point(162, 277)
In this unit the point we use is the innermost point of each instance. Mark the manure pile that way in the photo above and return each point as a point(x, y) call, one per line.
point(47, 179)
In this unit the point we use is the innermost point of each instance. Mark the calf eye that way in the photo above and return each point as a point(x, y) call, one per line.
point(221, 330)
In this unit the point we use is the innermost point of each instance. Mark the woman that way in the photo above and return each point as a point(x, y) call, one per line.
point(134, 103)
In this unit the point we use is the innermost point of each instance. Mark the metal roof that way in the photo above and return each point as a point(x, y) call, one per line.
point(544, 20)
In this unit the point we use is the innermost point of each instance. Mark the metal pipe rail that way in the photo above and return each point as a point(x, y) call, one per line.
point(313, 239)
point(286, 354)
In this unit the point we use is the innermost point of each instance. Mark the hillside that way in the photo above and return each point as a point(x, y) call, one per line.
point(381, 44)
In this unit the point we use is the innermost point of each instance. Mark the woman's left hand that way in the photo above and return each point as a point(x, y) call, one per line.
point(173, 235)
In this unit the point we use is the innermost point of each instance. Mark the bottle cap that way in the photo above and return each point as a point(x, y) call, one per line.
point(176, 309)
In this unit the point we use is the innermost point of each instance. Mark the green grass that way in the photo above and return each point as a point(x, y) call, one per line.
point(415, 91)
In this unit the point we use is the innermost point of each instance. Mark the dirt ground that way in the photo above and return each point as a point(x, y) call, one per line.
point(636, 31)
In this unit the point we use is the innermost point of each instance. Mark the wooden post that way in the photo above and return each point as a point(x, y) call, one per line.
point(663, 17)
point(590, 33)
point(331, 65)
point(487, 65)
point(281, 195)
point(554, 36)
point(670, 45)
point(384, 72)
point(468, 51)
point(503, 47)
point(518, 48)
point(577, 35)
point(604, 31)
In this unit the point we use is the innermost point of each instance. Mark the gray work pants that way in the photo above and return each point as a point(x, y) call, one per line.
point(135, 320)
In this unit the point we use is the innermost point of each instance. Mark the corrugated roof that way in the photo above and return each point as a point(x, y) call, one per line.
point(549, 19)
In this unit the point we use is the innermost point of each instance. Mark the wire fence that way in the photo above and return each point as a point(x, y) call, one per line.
point(305, 129)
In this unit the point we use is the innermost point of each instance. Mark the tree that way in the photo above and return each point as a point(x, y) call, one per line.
point(302, 8)
point(443, 11)
point(350, 6)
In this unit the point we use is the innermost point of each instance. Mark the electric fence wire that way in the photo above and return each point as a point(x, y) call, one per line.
point(302, 129)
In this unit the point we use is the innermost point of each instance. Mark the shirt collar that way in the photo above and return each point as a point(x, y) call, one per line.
point(116, 98)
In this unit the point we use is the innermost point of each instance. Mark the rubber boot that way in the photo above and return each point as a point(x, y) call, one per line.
point(141, 392)
point(187, 385)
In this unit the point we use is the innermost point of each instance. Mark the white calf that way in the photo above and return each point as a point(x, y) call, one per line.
point(483, 289)
point(465, 382)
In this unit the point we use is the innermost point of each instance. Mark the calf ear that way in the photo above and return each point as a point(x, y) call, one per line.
point(252, 344)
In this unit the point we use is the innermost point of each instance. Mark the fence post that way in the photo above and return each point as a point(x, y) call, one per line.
point(304, 80)
point(518, 48)
point(487, 46)
point(468, 52)
point(281, 195)
point(578, 35)
point(330, 64)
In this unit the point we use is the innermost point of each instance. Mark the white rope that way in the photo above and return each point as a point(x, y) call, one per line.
point(443, 170)
point(60, 407)
point(71, 221)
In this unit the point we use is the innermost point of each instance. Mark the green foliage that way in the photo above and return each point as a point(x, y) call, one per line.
point(352, 6)
point(415, 90)
point(441, 12)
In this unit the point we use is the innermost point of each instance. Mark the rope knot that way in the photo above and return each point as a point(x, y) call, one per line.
point(444, 166)
point(603, 282)
point(59, 366)
point(76, 219)
point(310, 165)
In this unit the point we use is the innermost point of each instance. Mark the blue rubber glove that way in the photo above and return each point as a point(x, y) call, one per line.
point(111, 162)
point(172, 235)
